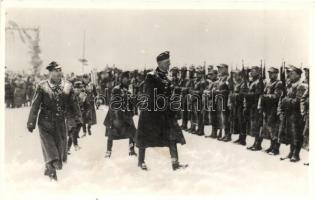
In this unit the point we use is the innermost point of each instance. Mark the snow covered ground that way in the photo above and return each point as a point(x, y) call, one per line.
point(215, 168)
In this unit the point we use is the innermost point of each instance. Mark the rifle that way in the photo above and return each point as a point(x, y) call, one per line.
point(261, 82)
point(244, 75)
point(283, 78)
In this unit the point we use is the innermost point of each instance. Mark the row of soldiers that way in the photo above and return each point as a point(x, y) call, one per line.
point(245, 102)
point(19, 90)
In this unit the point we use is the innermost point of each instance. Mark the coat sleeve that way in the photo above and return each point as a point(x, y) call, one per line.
point(36, 102)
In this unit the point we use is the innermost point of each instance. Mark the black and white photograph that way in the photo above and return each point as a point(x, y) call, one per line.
point(151, 101)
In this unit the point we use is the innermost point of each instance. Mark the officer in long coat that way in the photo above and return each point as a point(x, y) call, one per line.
point(268, 104)
point(254, 117)
point(157, 125)
point(53, 101)
point(118, 121)
point(291, 131)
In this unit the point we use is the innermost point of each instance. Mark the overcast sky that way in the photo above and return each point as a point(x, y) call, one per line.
point(133, 39)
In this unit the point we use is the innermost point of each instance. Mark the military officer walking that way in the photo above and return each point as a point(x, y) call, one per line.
point(157, 125)
point(54, 100)
point(118, 121)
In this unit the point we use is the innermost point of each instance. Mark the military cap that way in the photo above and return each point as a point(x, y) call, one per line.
point(77, 84)
point(125, 74)
point(184, 68)
point(199, 69)
point(293, 68)
point(210, 67)
point(236, 71)
point(192, 68)
point(255, 67)
point(273, 70)
point(174, 69)
point(213, 71)
point(223, 66)
point(52, 66)
point(85, 76)
point(163, 56)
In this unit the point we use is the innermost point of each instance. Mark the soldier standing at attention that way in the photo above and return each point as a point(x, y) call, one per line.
point(250, 108)
point(189, 86)
point(236, 106)
point(290, 112)
point(221, 94)
point(157, 125)
point(197, 91)
point(267, 105)
point(184, 95)
point(209, 98)
point(54, 100)
point(118, 121)
point(305, 111)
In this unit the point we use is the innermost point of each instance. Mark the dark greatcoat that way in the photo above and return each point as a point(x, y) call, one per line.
point(291, 121)
point(221, 93)
point(236, 105)
point(268, 103)
point(122, 113)
point(158, 128)
point(89, 113)
point(253, 117)
point(52, 105)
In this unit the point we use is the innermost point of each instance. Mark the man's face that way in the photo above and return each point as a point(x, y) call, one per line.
point(125, 81)
point(165, 64)
point(293, 75)
point(198, 75)
point(56, 75)
point(254, 72)
point(77, 90)
point(273, 75)
point(222, 70)
point(86, 80)
point(212, 76)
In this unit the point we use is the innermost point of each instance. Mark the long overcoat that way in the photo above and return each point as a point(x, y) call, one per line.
point(157, 126)
point(119, 119)
point(52, 104)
